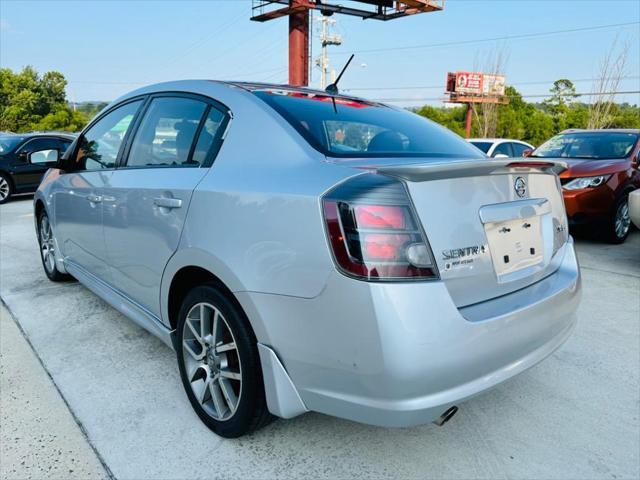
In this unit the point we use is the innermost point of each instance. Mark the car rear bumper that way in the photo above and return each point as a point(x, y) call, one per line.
point(400, 354)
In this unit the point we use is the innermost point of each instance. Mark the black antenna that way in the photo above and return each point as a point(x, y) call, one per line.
point(333, 88)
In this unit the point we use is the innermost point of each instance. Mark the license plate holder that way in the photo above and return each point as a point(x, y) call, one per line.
point(515, 244)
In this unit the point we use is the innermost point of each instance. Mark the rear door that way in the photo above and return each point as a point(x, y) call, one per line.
point(146, 201)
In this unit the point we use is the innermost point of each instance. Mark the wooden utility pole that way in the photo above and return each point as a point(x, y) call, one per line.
point(298, 13)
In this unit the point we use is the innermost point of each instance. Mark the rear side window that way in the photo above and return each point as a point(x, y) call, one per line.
point(350, 128)
point(166, 133)
point(210, 136)
point(99, 146)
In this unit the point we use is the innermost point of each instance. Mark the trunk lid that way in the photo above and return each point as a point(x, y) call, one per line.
point(494, 226)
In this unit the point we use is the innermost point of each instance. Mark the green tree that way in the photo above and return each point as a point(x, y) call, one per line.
point(450, 117)
point(535, 123)
point(563, 93)
point(29, 101)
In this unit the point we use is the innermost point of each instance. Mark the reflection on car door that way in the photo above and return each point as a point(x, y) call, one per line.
point(78, 194)
point(149, 195)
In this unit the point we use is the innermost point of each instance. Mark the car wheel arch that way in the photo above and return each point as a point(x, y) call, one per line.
point(623, 189)
point(6, 174)
point(185, 280)
point(38, 207)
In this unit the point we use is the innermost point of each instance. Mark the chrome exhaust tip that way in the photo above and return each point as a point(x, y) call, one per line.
point(446, 416)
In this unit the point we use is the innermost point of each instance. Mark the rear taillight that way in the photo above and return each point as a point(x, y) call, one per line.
point(374, 232)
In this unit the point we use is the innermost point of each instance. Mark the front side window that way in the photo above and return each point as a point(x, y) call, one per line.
point(99, 146)
point(64, 145)
point(503, 149)
point(39, 144)
point(519, 149)
point(351, 128)
point(589, 145)
point(166, 133)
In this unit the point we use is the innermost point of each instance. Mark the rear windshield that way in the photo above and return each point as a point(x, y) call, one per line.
point(341, 127)
point(589, 145)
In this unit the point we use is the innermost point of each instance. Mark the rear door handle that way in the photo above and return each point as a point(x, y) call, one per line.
point(166, 202)
point(94, 198)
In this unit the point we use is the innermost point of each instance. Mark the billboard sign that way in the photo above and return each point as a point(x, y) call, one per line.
point(475, 83)
point(493, 84)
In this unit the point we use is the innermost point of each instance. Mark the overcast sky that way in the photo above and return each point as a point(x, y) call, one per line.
point(108, 47)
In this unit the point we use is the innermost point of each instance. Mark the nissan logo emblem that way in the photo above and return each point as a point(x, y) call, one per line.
point(520, 187)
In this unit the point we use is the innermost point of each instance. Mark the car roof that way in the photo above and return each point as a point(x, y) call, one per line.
point(24, 136)
point(495, 140)
point(254, 86)
point(602, 130)
point(203, 86)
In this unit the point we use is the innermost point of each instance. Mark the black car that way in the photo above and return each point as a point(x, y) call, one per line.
point(24, 158)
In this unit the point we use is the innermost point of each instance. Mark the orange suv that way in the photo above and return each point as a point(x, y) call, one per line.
point(603, 169)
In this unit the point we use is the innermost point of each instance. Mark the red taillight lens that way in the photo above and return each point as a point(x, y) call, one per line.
point(373, 231)
point(384, 247)
point(379, 216)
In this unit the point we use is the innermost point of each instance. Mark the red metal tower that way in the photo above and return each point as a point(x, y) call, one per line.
point(298, 13)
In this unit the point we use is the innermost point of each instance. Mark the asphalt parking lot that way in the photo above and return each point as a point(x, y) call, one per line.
point(576, 415)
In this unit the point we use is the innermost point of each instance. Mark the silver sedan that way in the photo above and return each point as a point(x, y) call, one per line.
point(307, 251)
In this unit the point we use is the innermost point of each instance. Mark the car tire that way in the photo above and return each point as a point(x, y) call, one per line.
point(48, 250)
point(6, 188)
point(620, 223)
point(219, 363)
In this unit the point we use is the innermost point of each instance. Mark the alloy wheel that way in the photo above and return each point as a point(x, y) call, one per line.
point(212, 361)
point(623, 220)
point(4, 188)
point(47, 244)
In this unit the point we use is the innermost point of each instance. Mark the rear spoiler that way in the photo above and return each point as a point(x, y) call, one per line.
point(468, 168)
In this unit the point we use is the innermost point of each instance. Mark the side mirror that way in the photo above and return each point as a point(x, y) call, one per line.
point(527, 153)
point(501, 155)
point(42, 157)
point(66, 161)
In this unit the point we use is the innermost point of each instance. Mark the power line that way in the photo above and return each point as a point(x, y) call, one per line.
point(433, 87)
point(216, 31)
point(491, 39)
point(587, 94)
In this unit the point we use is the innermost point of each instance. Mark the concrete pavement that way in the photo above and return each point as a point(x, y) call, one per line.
point(38, 435)
point(576, 415)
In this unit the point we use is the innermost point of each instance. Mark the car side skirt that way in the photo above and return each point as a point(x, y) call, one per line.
point(121, 302)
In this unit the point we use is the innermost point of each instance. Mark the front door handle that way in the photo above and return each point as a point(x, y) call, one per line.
point(94, 198)
point(166, 202)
